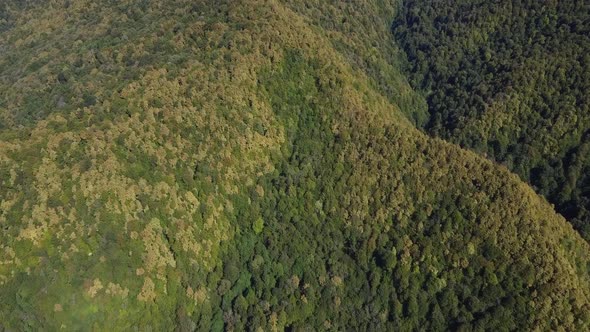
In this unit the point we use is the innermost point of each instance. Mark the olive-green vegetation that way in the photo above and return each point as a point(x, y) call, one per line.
point(244, 165)
point(510, 80)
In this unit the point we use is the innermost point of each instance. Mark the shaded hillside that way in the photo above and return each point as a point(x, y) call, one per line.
point(232, 168)
point(510, 80)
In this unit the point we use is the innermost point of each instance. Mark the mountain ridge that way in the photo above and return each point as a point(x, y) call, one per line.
point(264, 183)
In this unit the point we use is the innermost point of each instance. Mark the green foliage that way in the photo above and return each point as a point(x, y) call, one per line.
point(245, 165)
point(258, 226)
point(509, 81)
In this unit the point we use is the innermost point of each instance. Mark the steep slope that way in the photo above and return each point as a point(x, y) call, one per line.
point(510, 80)
point(232, 168)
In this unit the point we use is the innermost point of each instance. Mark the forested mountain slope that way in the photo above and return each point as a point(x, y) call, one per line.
point(510, 80)
point(237, 165)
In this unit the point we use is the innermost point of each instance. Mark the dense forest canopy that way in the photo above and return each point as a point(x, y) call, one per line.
point(253, 165)
point(511, 80)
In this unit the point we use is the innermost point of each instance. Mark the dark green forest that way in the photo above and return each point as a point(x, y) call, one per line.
point(510, 80)
point(196, 165)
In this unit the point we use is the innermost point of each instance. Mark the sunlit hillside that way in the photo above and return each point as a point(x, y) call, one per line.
point(253, 165)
